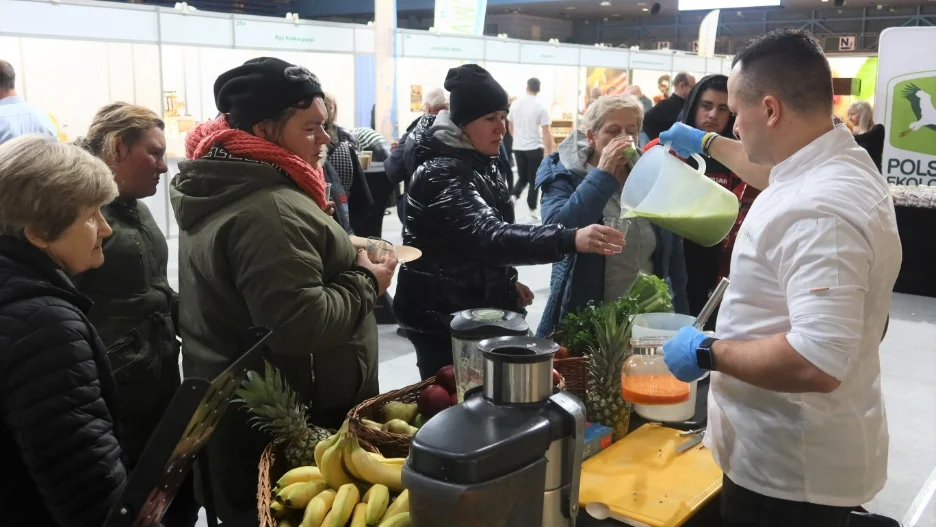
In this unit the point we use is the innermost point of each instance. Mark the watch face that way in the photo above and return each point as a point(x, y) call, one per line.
point(704, 356)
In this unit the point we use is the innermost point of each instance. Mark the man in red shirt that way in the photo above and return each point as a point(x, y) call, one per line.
point(706, 108)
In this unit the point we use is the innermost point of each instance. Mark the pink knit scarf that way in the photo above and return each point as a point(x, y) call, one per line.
point(199, 141)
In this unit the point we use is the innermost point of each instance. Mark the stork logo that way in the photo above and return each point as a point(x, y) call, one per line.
point(913, 114)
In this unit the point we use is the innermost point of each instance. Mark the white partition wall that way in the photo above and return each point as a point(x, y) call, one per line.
point(73, 56)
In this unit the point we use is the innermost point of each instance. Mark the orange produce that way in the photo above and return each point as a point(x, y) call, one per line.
point(654, 389)
point(562, 353)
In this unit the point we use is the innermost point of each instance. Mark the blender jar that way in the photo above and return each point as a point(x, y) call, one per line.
point(470, 327)
point(647, 383)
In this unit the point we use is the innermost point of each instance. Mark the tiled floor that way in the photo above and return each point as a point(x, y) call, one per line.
point(908, 360)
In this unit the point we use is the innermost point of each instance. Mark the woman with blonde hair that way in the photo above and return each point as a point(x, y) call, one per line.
point(58, 437)
point(343, 157)
point(135, 309)
point(868, 135)
point(581, 185)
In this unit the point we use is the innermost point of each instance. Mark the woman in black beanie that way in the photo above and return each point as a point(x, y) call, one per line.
point(458, 212)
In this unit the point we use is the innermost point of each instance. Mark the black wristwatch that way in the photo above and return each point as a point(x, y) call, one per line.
point(705, 357)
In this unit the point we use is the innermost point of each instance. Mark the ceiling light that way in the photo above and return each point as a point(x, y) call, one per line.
point(615, 14)
point(644, 9)
point(570, 8)
point(605, 3)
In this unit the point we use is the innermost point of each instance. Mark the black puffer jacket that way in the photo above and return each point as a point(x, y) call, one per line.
point(458, 212)
point(60, 459)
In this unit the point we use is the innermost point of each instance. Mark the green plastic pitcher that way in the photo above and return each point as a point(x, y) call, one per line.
point(679, 198)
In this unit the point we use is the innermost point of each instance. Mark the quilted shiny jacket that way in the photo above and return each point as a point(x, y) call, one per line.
point(458, 212)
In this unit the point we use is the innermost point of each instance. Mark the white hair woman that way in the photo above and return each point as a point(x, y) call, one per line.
point(58, 446)
point(581, 185)
point(868, 135)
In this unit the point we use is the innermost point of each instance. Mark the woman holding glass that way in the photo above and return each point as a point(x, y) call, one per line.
point(258, 248)
point(459, 213)
point(581, 185)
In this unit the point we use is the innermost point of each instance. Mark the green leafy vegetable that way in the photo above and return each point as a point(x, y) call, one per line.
point(649, 294)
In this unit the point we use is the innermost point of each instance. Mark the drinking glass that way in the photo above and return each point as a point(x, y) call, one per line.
point(377, 249)
point(620, 224)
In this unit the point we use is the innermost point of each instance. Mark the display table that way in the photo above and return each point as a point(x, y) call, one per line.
point(916, 226)
point(381, 189)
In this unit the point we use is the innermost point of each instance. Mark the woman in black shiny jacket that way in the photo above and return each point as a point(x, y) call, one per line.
point(459, 214)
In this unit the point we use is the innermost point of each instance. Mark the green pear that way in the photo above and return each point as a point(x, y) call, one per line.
point(399, 426)
point(397, 410)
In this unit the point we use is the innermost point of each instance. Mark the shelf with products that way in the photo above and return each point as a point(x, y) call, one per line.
point(561, 129)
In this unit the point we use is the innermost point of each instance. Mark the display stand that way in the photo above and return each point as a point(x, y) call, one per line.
point(178, 441)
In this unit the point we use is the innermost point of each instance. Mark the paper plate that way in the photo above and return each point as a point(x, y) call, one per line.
point(404, 253)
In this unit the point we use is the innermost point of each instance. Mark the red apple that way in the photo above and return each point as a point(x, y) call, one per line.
point(556, 377)
point(445, 378)
point(433, 400)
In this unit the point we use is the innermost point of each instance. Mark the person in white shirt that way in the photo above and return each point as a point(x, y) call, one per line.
point(531, 128)
point(796, 416)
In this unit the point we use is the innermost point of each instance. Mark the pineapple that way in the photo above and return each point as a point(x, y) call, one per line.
point(604, 402)
point(276, 410)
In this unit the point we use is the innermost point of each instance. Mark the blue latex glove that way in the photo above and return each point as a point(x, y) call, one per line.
point(679, 353)
point(686, 139)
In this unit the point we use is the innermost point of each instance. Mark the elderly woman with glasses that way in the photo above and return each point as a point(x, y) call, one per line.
point(581, 185)
point(58, 441)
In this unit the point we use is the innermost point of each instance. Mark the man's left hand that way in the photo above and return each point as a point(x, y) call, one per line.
point(679, 353)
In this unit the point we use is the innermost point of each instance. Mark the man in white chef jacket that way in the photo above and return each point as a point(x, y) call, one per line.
point(796, 416)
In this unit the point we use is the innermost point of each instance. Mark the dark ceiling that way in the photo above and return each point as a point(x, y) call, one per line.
point(593, 8)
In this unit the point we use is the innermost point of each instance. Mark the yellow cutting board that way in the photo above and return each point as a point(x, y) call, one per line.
point(641, 477)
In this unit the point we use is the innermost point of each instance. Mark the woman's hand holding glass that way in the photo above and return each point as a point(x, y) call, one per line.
point(613, 160)
point(383, 269)
point(598, 239)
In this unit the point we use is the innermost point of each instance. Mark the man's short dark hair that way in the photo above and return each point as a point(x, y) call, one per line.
point(7, 76)
point(533, 85)
point(681, 78)
point(790, 64)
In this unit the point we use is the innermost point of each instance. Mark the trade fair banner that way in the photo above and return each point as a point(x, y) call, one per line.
point(385, 22)
point(708, 34)
point(462, 17)
point(906, 105)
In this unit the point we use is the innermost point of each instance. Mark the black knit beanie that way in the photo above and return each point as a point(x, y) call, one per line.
point(261, 88)
point(474, 94)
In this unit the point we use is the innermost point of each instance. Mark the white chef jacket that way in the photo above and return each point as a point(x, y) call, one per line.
point(816, 259)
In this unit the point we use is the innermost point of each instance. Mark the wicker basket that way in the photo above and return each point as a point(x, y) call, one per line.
point(574, 372)
point(389, 444)
point(271, 467)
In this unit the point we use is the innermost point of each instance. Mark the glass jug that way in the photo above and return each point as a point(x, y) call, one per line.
point(645, 379)
point(677, 197)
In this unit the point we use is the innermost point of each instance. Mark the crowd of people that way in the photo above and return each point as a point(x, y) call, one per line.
point(92, 331)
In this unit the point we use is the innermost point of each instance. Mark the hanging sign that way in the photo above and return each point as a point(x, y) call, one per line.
point(906, 95)
point(847, 43)
point(708, 34)
point(462, 17)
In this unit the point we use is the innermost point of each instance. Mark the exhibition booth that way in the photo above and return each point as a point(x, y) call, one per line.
point(167, 59)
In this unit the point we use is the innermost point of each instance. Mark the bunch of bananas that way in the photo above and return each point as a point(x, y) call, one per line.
point(330, 495)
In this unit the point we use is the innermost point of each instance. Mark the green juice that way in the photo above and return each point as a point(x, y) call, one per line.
point(706, 230)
